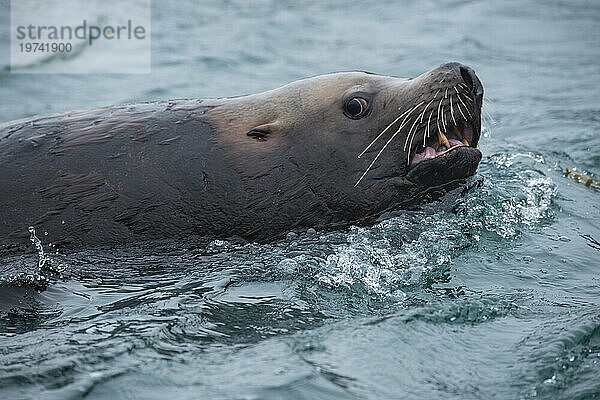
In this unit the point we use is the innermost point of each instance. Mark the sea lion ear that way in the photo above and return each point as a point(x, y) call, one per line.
point(261, 132)
point(258, 135)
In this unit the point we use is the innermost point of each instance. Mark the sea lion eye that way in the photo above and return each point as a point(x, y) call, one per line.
point(356, 107)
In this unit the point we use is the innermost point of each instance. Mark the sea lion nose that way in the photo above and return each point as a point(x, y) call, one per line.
point(468, 77)
point(472, 81)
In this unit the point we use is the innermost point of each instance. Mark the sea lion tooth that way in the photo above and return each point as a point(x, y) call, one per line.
point(465, 142)
point(443, 139)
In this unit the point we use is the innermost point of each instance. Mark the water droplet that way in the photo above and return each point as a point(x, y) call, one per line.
point(291, 235)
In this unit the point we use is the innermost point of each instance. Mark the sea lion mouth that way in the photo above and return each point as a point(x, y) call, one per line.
point(445, 149)
point(461, 135)
point(448, 155)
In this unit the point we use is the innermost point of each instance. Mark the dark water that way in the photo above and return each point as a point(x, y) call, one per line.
point(499, 299)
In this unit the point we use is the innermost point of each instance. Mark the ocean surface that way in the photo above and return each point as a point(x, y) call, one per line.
point(497, 299)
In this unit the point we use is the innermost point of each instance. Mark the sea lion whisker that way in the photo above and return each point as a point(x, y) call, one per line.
point(427, 131)
point(379, 153)
point(422, 116)
point(409, 135)
point(452, 111)
point(404, 148)
point(458, 105)
point(425, 109)
point(443, 119)
point(469, 99)
point(461, 113)
point(437, 120)
point(387, 144)
point(378, 136)
point(388, 127)
point(410, 142)
point(404, 122)
point(463, 103)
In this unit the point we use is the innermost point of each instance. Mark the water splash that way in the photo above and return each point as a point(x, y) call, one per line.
point(517, 195)
point(507, 160)
point(42, 256)
point(45, 274)
point(416, 250)
point(394, 256)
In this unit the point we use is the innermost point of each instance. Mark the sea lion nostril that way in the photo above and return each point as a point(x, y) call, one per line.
point(472, 82)
point(467, 77)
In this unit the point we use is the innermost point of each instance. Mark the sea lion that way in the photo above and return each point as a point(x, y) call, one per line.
point(322, 152)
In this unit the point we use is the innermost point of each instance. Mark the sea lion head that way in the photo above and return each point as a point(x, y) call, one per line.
point(358, 142)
